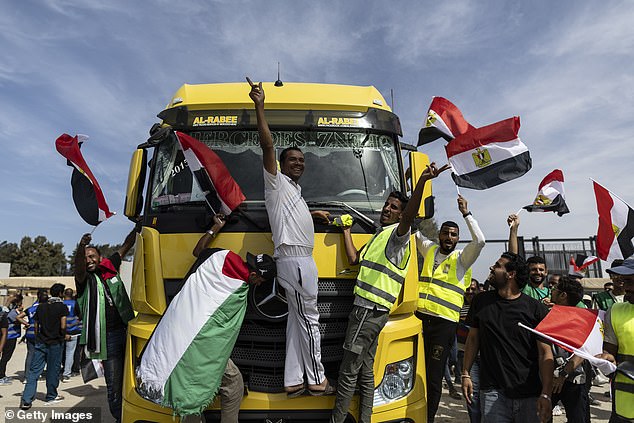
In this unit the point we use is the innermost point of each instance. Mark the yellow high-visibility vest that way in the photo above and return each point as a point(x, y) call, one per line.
point(623, 325)
point(439, 291)
point(380, 280)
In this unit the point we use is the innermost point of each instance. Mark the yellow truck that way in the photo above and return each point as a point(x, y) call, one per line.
point(350, 139)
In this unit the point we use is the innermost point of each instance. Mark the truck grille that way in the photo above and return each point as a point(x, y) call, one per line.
point(260, 350)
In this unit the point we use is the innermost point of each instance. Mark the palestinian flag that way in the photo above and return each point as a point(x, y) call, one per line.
point(444, 120)
point(616, 226)
point(550, 195)
point(184, 360)
point(221, 191)
point(577, 330)
point(579, 265)
point(87, 194)
point(485, 157)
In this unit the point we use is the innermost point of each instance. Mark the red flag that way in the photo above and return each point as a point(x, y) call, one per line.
point(87, 194)
point(445, 120)
point(577, 330)
point(222, 192)
point(579, 265)
point(616, 225)
point(488, 156)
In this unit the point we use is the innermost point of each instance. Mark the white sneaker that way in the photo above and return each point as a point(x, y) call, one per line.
point(557, 410)
point(55, 400)
point(5, 381)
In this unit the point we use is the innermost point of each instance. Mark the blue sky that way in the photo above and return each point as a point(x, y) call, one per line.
point(107, 68)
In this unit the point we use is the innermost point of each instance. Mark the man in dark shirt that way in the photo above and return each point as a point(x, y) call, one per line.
point(102, 298)
point(50, 334)
point(512, 360)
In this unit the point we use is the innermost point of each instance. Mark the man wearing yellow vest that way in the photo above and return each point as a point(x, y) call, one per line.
point(384, 262)
point(618, 342)
point(445, 275)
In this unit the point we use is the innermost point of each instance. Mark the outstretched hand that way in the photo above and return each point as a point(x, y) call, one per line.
point(256, 93)
point(432, 171)
point(85, 239)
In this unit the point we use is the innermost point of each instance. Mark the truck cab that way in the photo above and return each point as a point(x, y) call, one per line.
point(353, 160)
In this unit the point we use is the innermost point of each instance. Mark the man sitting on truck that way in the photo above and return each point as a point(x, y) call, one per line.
point(384, 262)
point(293, 239)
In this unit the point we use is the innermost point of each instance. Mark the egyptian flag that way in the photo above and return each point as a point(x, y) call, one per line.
point(221, 191)
point(485, 157)
point(87, 194)
point(183, 361)
point(616, 226)
point(577, 330)
point(579, 265)
point(550, 195)
point(91, 369)
point(444, 120)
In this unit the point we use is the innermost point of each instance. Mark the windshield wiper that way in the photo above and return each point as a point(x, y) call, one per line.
point(344, 206)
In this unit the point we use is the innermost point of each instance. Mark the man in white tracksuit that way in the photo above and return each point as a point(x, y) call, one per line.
point(293, 238)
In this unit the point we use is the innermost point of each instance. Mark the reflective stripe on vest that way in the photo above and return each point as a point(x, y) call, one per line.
point(30, 312)
point(380, 280)
point(15, 328)
point(439, 291)
point(622, 318)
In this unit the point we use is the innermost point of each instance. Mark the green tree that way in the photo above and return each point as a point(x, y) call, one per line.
point(8, 251)
point(38, 257)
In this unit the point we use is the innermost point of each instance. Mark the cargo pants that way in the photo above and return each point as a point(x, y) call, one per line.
point(359, 349)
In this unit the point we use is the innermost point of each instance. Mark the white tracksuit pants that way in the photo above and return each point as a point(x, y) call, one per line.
point(298, 276)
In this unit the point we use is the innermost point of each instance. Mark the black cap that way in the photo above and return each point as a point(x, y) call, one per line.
point(263, 264)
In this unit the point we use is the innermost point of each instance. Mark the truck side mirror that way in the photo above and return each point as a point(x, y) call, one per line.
point(418, 163)
point(136, 181)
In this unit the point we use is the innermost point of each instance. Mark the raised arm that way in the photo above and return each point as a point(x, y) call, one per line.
point(128, 243)
point(408, 215)
point(472, 250)
point(80, 263)
point(219, 223)
point(514, 223)
point(266, 140)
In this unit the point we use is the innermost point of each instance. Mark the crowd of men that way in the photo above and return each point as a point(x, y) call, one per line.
point(506, 373)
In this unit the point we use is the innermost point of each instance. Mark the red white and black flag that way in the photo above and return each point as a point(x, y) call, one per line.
point(616, 225)
point(550, 195)
point(87, 194)
point(579, 265)
point(221, 191)
point(488, 156)
point(577, 330)
point(444, 120)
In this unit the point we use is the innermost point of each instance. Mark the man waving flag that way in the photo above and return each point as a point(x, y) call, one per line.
point(87, 194)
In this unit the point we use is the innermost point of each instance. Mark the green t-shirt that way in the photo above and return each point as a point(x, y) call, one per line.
point(538, 293)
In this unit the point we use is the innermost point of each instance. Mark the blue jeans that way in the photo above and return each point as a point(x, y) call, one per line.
point(30, 350)
point(70, 354)
point(51, 356)
point(497, 408)
point(113, 370)
point(475, 413)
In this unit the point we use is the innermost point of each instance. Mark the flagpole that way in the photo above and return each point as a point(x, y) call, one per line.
point(93, 229)
point(576, 351)
point(611, 192)
point(458, 191)
point(517, 213)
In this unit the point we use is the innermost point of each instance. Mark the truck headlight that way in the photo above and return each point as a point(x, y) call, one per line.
point(397, 382)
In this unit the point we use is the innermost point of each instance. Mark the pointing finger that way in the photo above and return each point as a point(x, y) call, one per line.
point(250, 82)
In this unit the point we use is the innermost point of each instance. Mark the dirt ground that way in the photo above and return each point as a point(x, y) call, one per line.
point(93, 394)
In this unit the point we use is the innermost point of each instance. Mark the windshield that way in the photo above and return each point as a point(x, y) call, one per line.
point(357, 168)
